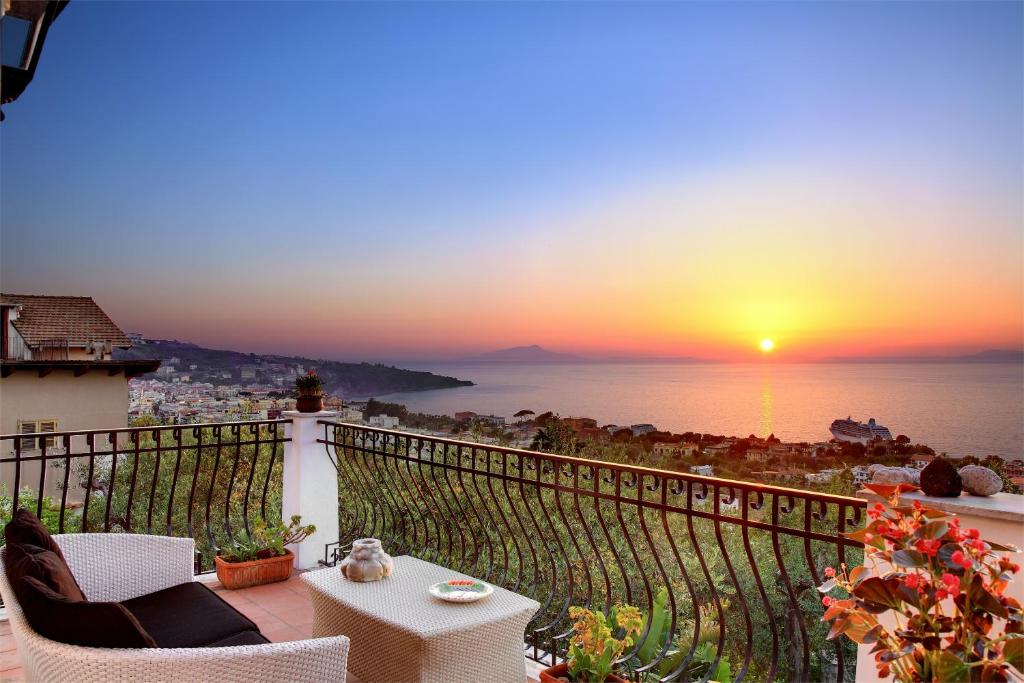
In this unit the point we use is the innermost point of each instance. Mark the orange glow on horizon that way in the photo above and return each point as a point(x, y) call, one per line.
point(821, 266)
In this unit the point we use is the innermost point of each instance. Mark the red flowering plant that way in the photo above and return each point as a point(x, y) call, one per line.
point(944, 587)
point(309, 384)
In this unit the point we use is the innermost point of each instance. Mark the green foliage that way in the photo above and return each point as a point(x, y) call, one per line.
point(29, 500)
point(658, 634)
point(598, 641)
point(267, 540)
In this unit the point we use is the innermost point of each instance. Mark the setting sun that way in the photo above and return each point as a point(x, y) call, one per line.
point(767, 345)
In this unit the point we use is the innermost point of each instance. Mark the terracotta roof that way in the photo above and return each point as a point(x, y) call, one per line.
point(75, 318)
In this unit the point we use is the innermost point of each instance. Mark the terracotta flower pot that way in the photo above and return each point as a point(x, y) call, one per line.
point(312, 403)
point(560, 673)
point(234, 575)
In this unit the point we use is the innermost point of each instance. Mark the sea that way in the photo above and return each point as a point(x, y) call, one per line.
point(957, 408)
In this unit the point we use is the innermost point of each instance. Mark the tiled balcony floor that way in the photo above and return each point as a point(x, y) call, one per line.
point(281, 610)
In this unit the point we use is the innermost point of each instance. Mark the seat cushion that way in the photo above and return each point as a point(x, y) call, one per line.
point(243, 638)
point(26, 529)
point(188, 615)
point(80, 622)
point(27, 560)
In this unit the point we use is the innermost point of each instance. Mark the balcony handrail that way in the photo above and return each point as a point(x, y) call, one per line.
point(101, 432)
point(605, 464)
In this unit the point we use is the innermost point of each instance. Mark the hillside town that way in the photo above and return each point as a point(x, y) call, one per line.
point(844, 461)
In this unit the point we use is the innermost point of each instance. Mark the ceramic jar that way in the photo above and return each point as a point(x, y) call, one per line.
point(367, 561)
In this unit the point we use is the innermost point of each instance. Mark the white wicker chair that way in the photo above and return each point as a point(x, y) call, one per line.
point(121, 566)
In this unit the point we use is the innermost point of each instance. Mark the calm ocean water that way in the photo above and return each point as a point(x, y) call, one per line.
point(962, 409)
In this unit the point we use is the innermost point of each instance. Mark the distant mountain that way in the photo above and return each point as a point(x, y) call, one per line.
point(990, 356)
point(994, 356)
point(220, 367)
point(525, 354)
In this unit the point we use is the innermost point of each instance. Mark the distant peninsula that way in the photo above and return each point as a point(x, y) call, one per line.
point(220, 367)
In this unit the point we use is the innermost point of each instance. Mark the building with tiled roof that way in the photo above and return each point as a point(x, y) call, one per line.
point(39, 327)
point(57, 373)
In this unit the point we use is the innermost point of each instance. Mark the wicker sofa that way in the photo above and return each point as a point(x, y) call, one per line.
point(118, 567)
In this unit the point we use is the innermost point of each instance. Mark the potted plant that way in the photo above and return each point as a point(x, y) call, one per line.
point(261, 557)
point(310, 390)
point(596, 644)
point(942, 589)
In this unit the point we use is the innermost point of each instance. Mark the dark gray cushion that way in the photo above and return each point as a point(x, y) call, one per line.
point(188, 615)
point(26, 529)
point(80, 622)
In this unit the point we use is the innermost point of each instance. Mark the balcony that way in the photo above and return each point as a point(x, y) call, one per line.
point(735, 563)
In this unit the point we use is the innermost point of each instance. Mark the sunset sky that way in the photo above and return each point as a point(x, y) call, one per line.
point(404, 181)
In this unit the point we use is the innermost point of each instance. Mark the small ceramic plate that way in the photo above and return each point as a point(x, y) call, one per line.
point(461, 590)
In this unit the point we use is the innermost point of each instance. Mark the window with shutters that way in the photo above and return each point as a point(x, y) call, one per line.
point(38, 427)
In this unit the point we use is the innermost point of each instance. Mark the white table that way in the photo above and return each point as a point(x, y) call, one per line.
point(399, 632)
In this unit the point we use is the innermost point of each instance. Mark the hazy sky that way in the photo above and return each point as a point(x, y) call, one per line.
point(394, 180)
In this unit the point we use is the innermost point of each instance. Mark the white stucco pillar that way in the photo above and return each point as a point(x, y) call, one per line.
point(999, 518)
point(310, 484)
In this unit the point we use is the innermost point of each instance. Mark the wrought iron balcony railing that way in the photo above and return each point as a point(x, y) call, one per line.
point(737, 563)
point(206, 481)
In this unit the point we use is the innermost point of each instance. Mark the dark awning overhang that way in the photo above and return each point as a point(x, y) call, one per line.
point(130, 368)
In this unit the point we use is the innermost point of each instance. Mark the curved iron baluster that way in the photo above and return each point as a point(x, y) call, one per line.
point(700, 496)
point(492, 527)
point(587, 474)
point(126, 523)
point(253, 462)
point(156, 476)
point(197, 433)
point(552, 582)
point(436, 513)
point(218, 432)
point(598, 479)
point(64, 488)
point(110, 485)
point(678, 487)
point(452, 518)
point(514, 506)
point(474, 555)
point(630, 481)
point(472, 504)
point(729, 499)
point(747, 505)
point(665, 581)
point(236, 434)
point(567, 529)
point(511, 535)
point(176, 435)
point(794, 604)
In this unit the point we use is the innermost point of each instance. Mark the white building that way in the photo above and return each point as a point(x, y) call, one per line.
point(383, 421)
point(822, 477)
point(351, 415)
point(861, 474)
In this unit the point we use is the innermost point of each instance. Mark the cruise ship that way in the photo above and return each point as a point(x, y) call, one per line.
point(851, 430)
